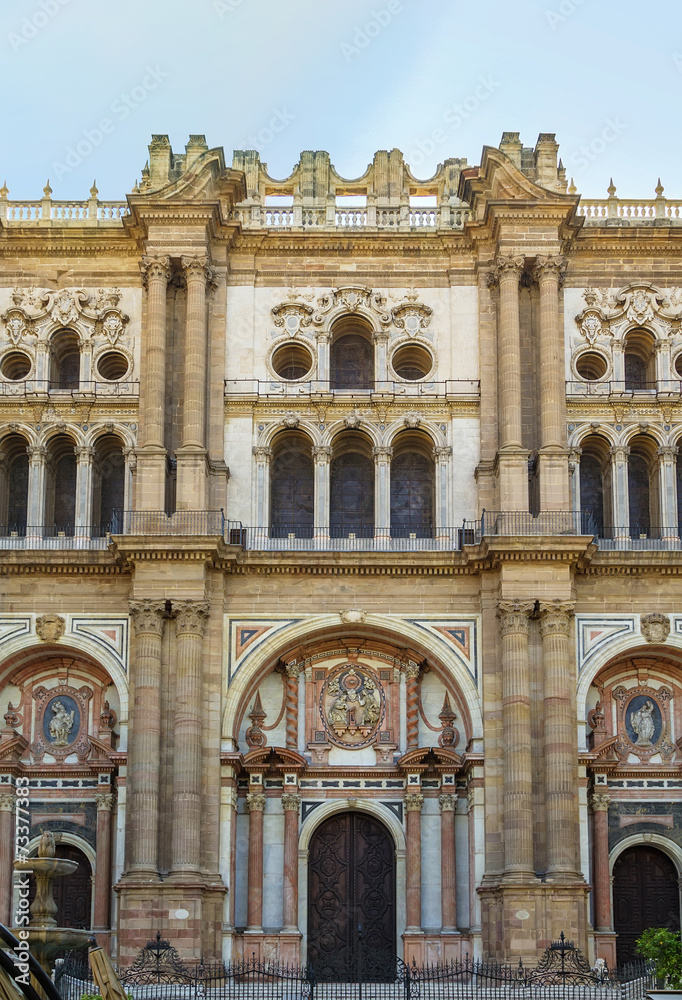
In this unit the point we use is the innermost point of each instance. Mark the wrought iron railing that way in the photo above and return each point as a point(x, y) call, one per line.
point(282, 387)
point(31, 387)
point(54, 536)
point(181, 522)
point(325, 539)
point(635, 537)
point(523, 522)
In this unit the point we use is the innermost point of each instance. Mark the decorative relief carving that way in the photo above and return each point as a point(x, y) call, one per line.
point(412, 419)
point(612, 314)
point(291, 419)
point(61, 720)
point(255, 802)
point(412, 316)
point(414, 802)
point(254, 736)
point(449, 736)
point(354, 616)
point(352, 420)
point(50, 628)
point(643, 723)
point(351, 299)
point(191, 617)
point(352, 705)
point(293, 316)
point(147, 617)
point(655, 627)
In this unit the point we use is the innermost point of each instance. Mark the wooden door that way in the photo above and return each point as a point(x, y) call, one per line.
point(645, 894)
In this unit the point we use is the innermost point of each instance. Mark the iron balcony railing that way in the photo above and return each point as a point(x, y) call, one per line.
point(31, 387)
point(54, 536)
point(614, 387)
point(635, 537)
point(306, 387)
point(325, 539)
point(181, 522)
point(523, 522)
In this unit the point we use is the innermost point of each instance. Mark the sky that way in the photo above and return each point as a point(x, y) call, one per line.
point(85, 83)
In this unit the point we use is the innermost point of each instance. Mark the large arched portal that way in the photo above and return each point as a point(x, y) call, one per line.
point(645, 894)
point(351, 897)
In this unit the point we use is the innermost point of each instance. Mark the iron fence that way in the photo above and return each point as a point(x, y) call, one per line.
point(54, 536)
point(180, 522)
point(32, 387)
point(523, 522)
point(325, 539)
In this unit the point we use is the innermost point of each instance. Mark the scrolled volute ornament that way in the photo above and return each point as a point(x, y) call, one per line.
point(147, 617)
point(155, 267)
point(513, 616)
point(556, 617)
point(191, 617)
point(506, 268)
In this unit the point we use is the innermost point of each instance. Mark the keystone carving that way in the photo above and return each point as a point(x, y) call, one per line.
point(655, 627)
point(50, 628)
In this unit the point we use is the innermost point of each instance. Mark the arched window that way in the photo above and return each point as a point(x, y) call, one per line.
point(292, 491)
point(351, 357)
point(351, 488)
point(60, 499)
point(108, 491)
point(64, 360)
point(639, 361)
point(643, 486)
point(14, 487)
point(595, 485)
point(412, 487)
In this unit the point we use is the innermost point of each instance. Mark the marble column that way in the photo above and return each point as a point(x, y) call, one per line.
point(448, 871)
point(413, 857)
point(144, 751)
point(667, 478)
point(292, 674)
point(262, 457)
point(380, 339)
point(291, 804)
point(322, 456)
point(553, 459)
point(7, 811)
point(151, 475)
point(560, 741)
point(620, 500)
point(382, 490)
point(255, 804)
point(516, 724)
point(37, 461)
point(442, 457)
point(105, 803)
point(601, 876)
point(412, 699)
point(84, 488)
point(191, 619)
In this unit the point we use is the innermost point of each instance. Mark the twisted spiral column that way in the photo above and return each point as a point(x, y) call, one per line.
point(292, 673)
point(412, 699)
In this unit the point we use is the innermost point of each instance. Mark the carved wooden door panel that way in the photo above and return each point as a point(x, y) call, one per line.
point(351, 898)
point(645, 894)
point(73, 893)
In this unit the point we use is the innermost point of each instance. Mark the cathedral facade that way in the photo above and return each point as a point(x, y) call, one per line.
point(340, 557)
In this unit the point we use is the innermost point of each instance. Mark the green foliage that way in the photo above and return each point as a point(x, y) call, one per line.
point(663, 947)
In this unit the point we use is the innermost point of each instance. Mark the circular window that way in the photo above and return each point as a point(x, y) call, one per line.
point(678, 365)
point(15, 366)
point(591, 366)
point(112, 366)
point(292, 361)
point(412, 362)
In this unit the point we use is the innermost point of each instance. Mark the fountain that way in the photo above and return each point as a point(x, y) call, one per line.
point(45, 939)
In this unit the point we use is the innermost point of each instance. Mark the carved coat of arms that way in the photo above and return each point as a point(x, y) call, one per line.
point(352, 705)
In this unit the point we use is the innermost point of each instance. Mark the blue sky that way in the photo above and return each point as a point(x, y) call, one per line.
point(86, 82)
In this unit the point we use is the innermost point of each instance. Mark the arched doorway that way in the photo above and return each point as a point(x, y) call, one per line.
point(645, 894)
point(351, 897)
point(72, 893)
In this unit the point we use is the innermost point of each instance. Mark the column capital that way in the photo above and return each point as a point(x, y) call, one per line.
point(104, 801)
point(191, 617)
point(155, 267)
point(262, 454)
point(36, 452)
point(198, 268)
point(513, 616)
point(255, 802)
point(549, 267)
point(441, 452)
point(667, 452)
point(290, 802)
point(322, 454)
point(380, 337)
point(506, 268)
point(412, 671)
point(556, 617)
point(600, 801)
point(293, 669)
point(414, 802)
point(619, 453)
point(382, 454)
point(7, 802)
point(447, 803)
point(84, 452)
point(147, 617)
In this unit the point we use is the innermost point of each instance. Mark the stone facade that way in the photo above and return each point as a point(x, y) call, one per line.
point(312, 514)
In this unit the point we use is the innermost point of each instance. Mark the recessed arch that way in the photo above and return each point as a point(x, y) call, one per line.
point(639, 359)
point(351, 486)
point(64, 359)
point(292, 485)
point(14, 473)
point(413, 485)
point(351, 354)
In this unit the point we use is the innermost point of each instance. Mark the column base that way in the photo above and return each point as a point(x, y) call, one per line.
point(413, 946)
point(192, 482)
point(554, 481)
point(279, 948)
point(511, 466)
point(191, 916)
point(445, 947)
point(605, 947)
point(521, 920)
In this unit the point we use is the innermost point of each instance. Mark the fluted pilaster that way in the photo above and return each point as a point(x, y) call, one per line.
point(255, 804)
point(413, 821)
point(448, 871)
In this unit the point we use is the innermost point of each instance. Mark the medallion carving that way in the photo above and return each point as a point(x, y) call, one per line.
point(643, 723)
point(50, 628)
point(655, 627)
point(352, 706)
point(61, 720)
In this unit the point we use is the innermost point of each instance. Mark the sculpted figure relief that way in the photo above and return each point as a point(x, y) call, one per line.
point(352, 706)
point(642, 723)
point(61, 725)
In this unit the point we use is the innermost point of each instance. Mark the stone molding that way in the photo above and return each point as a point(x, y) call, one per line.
point(147, 617)
point(191, 617)
point(255, 802)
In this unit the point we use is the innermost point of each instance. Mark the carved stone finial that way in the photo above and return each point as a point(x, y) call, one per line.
point(449, 736)
point(50, 628)
point(255, 737)
point(655, 627)
point(11, 717)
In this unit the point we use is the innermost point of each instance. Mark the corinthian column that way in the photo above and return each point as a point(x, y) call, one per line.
point(601, 880)
point(255, 804)
point(518, 782)
point(553, 457)
point(448, 874)
point(190, 625)
point(145, 739)
point(291, 804)
point(560, 741)
point(105, 803)
point(7, 809)
point(511, 458)
point(151, 473)
point(413, 807)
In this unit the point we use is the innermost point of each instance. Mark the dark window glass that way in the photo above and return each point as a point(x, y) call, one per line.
point(292, 491)
point(635, 372)
point(592, 491)
point(351, 496)
point(412, 495)
point(65, 493)
point(18, 494)
point(638, 495)
point(112, 488)
point(352, 362)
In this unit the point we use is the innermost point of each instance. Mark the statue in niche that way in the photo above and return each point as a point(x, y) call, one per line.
point(61, 724)
point(642, 723)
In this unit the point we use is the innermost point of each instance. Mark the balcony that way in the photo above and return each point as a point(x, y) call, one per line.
point(57, 537)
point(663, 388)
point(253, 388)
point(332, 540)
point(43, 387)
point(636, 538)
